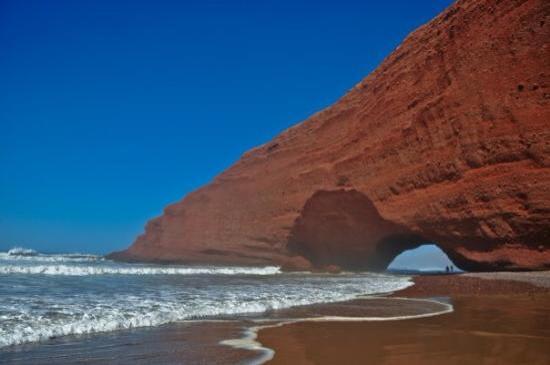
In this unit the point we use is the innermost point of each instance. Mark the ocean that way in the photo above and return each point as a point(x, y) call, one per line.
point(48, 297)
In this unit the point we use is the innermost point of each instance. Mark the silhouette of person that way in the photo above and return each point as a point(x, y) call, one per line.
point(447, 269)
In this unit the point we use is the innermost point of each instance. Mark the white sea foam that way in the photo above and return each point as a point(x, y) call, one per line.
point(30, 255)
point(249, 340)
point(27, 261)
point(82, 270)
point(20, 251)
point(39, 307)
point(125, 313)
point(43, 299)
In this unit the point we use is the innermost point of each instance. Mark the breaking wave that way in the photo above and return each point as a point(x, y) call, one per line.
point(20, 251)
point(27, 261)
point(85, 315)
point(43, 298)
point(27, 254)
point(80, 270)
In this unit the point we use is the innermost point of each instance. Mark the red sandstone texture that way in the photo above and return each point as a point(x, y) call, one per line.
point(447, 141)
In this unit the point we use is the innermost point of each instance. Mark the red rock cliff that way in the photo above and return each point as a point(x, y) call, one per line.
point(448, 141)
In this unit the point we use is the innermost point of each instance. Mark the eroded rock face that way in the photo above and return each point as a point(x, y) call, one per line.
point(448, 141)
point(344, 228)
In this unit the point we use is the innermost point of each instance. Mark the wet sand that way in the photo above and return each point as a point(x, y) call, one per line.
point(471, 285)
point(198, 342)
point(494, 322)
point(178, 343)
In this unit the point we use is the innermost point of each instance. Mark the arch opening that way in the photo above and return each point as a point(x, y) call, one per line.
point(426, 258)
point(343, 229)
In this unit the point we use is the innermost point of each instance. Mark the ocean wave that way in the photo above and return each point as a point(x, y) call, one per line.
point(104, 312)
point(81, 270)
point(30, 255)
point(20, 251)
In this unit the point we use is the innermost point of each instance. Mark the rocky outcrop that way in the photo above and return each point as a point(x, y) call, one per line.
point(448, 141)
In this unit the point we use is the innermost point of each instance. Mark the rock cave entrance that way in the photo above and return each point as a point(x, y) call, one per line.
point(343, 228)
point(425, 258)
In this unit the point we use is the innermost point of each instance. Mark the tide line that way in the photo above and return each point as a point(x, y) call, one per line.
point(250, 342)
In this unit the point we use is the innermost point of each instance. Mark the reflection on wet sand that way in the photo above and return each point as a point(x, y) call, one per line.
point(492, 329)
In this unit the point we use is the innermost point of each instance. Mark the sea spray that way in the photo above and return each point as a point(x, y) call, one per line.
point(55, 295)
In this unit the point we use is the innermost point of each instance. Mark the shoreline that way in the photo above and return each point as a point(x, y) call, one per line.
point(325, 341)
point(342, 332)
point(504, 283)
point(249, 341)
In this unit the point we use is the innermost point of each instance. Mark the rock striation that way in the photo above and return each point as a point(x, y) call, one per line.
point(447, 141)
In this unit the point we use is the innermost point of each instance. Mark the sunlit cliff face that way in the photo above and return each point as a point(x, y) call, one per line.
point(445, 142)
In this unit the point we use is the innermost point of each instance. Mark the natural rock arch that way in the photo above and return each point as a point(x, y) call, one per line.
point(439, 143)
point(343, 228)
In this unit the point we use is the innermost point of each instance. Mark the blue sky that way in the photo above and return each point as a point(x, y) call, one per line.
point(426, 257)
point(109, 110)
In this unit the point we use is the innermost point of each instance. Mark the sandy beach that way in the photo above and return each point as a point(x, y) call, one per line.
point(497, 319)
